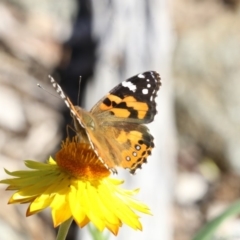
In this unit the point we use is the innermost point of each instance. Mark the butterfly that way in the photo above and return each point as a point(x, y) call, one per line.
point(114, 127)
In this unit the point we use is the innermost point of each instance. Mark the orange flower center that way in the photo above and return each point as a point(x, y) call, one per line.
point(80, 161)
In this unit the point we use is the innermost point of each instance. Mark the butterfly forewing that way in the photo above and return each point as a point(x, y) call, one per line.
point(132, 100)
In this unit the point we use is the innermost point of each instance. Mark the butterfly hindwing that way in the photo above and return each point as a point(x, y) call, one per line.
point(130, 145)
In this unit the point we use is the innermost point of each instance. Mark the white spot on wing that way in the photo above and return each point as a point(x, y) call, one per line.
point(148, 85)
point(137, 147)
point(130, 86)
point(141, 76)
point(145, 91)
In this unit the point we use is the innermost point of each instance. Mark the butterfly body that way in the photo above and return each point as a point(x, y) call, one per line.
point(115, 125)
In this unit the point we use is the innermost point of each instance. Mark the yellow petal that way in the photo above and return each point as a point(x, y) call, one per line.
point(80, 187)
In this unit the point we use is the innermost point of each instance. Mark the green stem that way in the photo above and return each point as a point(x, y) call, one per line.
point(63, 229)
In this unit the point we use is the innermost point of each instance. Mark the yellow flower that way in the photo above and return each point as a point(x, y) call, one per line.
point(76, 185)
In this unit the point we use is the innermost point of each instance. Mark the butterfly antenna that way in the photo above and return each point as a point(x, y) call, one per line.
point(79, 89)
point(68, 128)
point(44, 89)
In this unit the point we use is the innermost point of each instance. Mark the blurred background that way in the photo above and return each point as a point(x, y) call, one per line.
point(194, 172)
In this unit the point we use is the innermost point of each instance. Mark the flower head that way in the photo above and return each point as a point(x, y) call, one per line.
point(76, 185)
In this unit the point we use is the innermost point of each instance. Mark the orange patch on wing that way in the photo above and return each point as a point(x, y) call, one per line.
point(111, 98)
point(122, 137)
point(119, 112)
point(114, 98)
point(129, 99)
point(133, 157)
point(138, 105)
point(104, 107)
point(136, 134)
point(142, 114)
point(141, 107)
